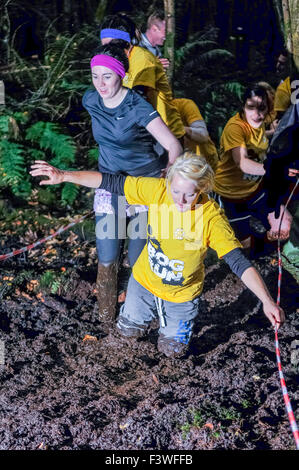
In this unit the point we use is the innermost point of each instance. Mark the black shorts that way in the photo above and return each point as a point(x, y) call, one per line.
point(239, 212)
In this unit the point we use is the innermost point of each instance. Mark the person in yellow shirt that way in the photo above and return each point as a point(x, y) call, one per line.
point(197, 137)
point(287, 93)
point(238, 178)
point(282, 98)
point(167, 279)
point(146, 73)
point(270, 121)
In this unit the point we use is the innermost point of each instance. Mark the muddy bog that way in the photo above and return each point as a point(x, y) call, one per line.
point(68, 385)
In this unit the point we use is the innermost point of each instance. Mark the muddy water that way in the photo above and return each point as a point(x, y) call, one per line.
point(61, 389)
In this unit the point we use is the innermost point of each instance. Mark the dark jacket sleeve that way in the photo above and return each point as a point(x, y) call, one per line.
point(237, 262)
point(113, 183)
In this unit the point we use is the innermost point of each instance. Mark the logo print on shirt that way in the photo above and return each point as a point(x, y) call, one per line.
point(179, 234)
point(169, 270)
point(120, 117)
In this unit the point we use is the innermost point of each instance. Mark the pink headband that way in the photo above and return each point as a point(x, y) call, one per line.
point(110, 62)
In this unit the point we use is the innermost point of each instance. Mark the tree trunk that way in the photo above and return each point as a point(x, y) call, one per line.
point(290, 10)
point(169, 7)
point(279, 15)
point(101, 10)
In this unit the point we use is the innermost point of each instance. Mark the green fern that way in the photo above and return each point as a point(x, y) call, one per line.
point(236, 88)
point(183, 51)
point(21, 117)
point(69, 194)
point(12, 168)
point(93, 155)
point(200, 51)
point(4, 125)
point(22, 188)
point(36, 154)
point(12, 163)
point(49, 137)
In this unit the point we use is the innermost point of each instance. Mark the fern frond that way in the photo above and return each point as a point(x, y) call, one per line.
point(208, 59)
point(21, 117)
point(235, 87)
point(36, 154)
point(23, 188)
point(186, 49)
point(75, 85)
point(93, 155)
point(12, 163)
point(69, 194)
point(49, 137)
point(4, 125)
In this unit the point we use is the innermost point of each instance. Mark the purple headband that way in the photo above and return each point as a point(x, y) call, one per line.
point(110, 62)
point(115, 34)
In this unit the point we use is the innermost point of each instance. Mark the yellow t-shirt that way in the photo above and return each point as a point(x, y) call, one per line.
point(146, 70)
point(270, 118)
point(282, 98)
point(189, 113)
point(230, 181)
point(170, 265)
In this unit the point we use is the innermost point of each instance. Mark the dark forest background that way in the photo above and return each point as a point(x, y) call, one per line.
point(45, 48)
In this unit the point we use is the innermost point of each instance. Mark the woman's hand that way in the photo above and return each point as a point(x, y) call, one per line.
point(274, 313)
point(165, 170)
point(293, 172)
point(285, 225)
point(164, 62)
point(90, 179)
point(41, 168)
point(253, 280)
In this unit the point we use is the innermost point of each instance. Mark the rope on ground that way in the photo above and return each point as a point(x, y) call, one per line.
point(286, 398)
point(43, 240)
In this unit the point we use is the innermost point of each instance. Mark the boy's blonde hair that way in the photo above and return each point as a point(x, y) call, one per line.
point(194, 168)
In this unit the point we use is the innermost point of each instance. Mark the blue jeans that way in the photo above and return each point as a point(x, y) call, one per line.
point(141, 307)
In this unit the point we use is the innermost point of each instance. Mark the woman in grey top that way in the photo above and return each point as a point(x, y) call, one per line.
point(127, 129)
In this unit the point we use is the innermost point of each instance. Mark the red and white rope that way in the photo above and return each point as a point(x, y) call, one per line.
point(285, 394)
point(42, 240)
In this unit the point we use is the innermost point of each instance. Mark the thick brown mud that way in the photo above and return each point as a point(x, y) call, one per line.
point(66, 385)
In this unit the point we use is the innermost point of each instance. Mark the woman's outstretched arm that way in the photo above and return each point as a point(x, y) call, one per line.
point(91, 179)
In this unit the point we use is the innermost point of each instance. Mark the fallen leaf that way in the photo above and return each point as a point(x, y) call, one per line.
point(123, 426)
point(26, 296)
point(32, 284)
point(40, 297)
point(42, 446)
point(155, 379)
point(209, 425)
point(90, 338)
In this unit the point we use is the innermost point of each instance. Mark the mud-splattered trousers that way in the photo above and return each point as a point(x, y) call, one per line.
point(141, 307)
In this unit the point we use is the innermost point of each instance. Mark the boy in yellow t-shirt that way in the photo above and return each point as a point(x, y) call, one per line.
point(145, 70)
point(197, 138)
